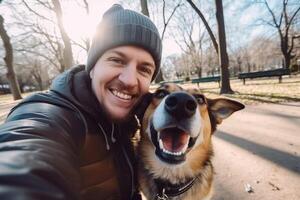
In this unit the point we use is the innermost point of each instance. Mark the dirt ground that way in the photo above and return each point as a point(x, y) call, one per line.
point(259, 147)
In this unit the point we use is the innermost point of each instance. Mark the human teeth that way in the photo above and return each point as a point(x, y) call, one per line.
point(121, 95)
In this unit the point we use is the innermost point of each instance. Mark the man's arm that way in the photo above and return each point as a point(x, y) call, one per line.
point(39, 147)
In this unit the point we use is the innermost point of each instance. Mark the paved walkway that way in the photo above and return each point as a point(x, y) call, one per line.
point(259, 146)
point(5, 108)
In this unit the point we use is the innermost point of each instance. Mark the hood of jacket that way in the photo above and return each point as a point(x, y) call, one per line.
point(75, 85)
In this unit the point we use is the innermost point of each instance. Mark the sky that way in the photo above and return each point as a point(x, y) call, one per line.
point(239, 21)
point(78, 26)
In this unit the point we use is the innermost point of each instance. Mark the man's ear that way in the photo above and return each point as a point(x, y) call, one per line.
point(142, 105)
point(91, 73)
point(222, 108)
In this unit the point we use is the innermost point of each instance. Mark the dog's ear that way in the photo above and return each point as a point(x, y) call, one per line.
point(222, 108)
point(142, 105)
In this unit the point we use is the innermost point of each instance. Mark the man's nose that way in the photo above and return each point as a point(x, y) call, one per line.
point(128, 75)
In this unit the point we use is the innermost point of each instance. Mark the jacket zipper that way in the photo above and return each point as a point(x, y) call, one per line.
point(105, 137)
point(131, 170)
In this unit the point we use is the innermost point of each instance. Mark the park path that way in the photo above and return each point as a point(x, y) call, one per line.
point(259, 146)
point(5, 107)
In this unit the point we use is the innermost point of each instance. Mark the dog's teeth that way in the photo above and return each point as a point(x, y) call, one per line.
point(185, 146)
point(161, 145)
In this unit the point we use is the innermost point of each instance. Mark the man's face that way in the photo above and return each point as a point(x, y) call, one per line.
point(120, 77)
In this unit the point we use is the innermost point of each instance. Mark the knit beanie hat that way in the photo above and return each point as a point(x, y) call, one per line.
point(121, 27)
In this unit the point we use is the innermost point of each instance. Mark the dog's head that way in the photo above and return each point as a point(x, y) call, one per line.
point(178, 121)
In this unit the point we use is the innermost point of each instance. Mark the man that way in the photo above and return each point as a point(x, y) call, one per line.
point(73, 142)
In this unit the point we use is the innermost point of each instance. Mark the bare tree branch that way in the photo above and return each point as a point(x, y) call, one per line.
point(286, 39)
point(79, 45)
point(168, 20)
point(45, 4)
point(273, 15)
point(212, 37)
point(36, 53)
point(34, 12)
point(292, 18)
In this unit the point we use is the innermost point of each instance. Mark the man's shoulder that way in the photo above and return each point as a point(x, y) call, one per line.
point(50, 108)
point(49, 97)
point(50, 102)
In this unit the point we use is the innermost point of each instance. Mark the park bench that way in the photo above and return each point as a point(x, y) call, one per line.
point(269, 73)
point(4, 89)
point(173, 81)
point(207, 79)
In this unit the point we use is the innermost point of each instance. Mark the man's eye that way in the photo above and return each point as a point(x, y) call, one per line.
point(161, 94)
point(146, 70)
point(200, 98)
point(116, 60)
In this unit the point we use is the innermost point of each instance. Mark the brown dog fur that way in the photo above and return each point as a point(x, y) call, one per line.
point(198, 159)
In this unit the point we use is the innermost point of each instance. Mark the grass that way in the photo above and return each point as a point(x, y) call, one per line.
point(256, 90)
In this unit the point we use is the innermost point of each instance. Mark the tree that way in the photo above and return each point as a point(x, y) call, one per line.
point(283, 23)
point(211, 34)
point(189, 36)
point(14, 86)
point(145, 11)
point(86, 40)
point(59, 44)
point(221, 47)
point(144, 5)
point(166, 21)
point(67, 50)
point(223, 56)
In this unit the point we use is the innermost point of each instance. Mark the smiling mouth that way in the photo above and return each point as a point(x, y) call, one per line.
point(172, 144)
point(121, 95)
point(173, 141)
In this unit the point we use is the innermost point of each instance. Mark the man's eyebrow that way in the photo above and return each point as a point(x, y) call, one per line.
point(118, 53)
point(124, 56)
point(148, 63)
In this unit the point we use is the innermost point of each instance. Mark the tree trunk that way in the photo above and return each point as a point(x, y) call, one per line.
point(67, 51)
point(287, 19)
point(145, 11)
point(287, 61)
point(223, 56)
point(285, 50)
point(14, 86)
point(144, 5)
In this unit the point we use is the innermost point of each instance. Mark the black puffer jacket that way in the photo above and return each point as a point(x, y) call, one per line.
point(45, 152)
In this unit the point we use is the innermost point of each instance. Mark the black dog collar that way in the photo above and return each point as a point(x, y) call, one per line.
point(166, 189)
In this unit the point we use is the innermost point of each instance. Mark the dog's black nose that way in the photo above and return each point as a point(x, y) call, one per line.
point(180, 105)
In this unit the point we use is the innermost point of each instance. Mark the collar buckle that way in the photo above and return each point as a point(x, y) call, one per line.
point(162, 196)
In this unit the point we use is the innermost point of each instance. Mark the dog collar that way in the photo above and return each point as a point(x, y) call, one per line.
point(166, 189)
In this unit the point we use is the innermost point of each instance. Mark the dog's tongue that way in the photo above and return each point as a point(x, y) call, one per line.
point(174, 139)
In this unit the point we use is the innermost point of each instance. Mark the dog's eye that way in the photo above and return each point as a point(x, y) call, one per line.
point(200, 98)
point(161, 94)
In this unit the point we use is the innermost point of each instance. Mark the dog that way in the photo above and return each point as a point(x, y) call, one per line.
point(175, 150)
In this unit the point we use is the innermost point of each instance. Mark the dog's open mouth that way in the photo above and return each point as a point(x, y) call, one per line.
point(173, 141)
point(172, 144)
